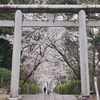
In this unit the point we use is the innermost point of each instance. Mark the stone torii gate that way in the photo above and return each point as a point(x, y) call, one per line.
point(81, 23)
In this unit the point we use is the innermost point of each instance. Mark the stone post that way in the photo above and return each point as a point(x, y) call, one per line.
point(85, 86)
point(16, 56)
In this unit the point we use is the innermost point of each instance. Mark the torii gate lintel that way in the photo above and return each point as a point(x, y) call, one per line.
point(50, 8)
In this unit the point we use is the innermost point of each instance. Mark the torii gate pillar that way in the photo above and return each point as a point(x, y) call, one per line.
point(85, 87)
point(16, 56)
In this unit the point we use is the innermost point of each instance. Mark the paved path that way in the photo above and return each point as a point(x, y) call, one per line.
point(52, 96)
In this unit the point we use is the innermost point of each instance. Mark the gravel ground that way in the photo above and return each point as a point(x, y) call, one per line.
point(3, 96)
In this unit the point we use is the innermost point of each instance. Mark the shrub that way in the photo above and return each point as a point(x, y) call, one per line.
point(57, 89)
point(60, 89)
point(69, 88)
point(21, 87)
point(19, 90)
point(32, 89)
point(76, 90)
point(5, 78)
point(39, 89)
point(29, 88)
point(64, 90)
point(26, 88)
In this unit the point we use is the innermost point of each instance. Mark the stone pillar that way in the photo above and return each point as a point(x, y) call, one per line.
point(85, 86)
point(16, 56)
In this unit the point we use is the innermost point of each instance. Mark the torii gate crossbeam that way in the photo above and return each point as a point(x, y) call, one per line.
point(50, 8)
point(74, 23)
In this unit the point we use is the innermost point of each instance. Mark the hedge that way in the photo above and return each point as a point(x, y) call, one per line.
point(28, 88)
point(69, 88)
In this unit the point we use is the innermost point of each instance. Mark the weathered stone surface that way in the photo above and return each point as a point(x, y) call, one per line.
point(50, 8)
point(16, 55)
point(83, 54)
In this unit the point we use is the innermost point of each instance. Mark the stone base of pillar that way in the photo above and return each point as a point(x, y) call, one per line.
point(85, 98)
point(19, 98)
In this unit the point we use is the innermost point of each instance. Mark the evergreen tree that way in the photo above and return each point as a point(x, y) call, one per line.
point(5, 54)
